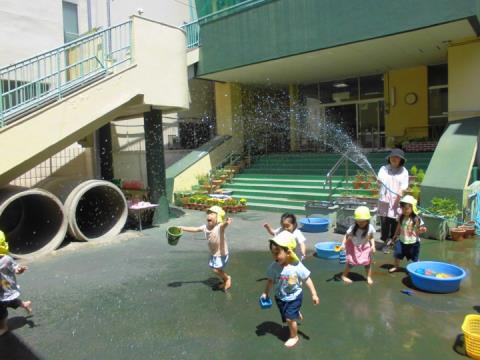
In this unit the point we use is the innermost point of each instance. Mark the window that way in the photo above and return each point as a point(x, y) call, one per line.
point(70, 21)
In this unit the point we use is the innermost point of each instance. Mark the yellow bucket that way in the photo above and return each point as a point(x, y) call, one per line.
point(471, 332)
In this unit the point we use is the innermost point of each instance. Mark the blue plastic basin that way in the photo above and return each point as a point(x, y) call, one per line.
point(265, 303)
point(434, 284)
point(314, 224)
point(326, 250)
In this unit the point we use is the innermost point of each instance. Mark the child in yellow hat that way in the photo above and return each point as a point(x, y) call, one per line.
point(9, 290)
point(359, 244)
point(214, 231)
point(410, 226)
point(286, 274)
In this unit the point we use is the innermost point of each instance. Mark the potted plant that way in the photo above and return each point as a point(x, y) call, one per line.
point(457, 233)
point(416, 192)
point(420, 176)
point(445, 213)
point(412, 178)
point(360, 176)
point(243, 203)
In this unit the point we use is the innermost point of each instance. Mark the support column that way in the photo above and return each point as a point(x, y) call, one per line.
point(294, 100)
point(155, 158)
point(104, 146)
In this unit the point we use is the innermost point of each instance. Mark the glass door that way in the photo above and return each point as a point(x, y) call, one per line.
point(371, 125)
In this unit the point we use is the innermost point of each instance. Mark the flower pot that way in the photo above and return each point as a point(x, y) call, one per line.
point(469, 230)
point(457, 234)
point(366, 185)
point(357, 185)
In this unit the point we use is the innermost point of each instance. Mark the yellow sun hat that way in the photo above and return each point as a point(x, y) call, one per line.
point(287, 240)
point(3, 244)
point(409, 199)
point(219, 211)
point(362, 213)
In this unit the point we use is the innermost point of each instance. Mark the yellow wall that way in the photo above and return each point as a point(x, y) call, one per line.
point(405, 121)
point(464, 80)
point(228, 112)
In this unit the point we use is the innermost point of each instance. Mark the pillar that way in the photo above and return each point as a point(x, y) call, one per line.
point(155, 159)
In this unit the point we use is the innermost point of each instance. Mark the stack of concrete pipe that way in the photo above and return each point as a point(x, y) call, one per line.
point(35, 221)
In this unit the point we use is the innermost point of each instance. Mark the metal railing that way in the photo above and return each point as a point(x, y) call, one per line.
point(35, 82)
point(193, 34)
point(328, 180)
point(193, 28)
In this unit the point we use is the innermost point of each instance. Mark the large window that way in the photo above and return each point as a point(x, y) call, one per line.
point(70, 21)
point(437, 100)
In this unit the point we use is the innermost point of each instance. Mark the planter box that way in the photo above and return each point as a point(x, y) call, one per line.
point(436, 228)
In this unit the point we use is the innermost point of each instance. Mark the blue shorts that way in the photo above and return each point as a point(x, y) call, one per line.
point(410, 251)
point(290, 309)
point(218, 262)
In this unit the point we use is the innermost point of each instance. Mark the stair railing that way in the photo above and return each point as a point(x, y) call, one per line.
point(328, 180)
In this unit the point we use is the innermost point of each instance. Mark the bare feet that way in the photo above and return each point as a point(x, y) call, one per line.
point(27, 305)
point(291, 342)
point(392, 270)
point(227, 284)
point(346, 280)
point(369, 280)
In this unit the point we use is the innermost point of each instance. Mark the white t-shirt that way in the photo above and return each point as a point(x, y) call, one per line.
point(357, 238)
point(396, 179)
point(299, 238)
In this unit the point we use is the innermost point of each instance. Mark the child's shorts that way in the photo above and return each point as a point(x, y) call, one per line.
point(6, 304)
point(290, 309)
point(218, 262)
point(410, 251)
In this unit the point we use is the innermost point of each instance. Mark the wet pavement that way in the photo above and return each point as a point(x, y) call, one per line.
point(143, 299)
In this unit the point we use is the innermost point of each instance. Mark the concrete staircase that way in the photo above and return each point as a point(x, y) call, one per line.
point(284, 182)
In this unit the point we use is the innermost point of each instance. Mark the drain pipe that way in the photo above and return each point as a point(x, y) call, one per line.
point(96, 209)
point(33, 221)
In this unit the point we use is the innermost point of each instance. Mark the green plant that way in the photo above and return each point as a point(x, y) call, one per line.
point(360, 176)
point(420, 176)
point(416, 191)
point(202, 179)
point(444, 207)
point(413, 170)
point(243, 201)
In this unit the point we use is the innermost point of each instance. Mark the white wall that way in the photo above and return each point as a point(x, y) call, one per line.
point(28, 28)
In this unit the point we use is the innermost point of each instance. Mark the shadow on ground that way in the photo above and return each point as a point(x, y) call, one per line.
point(279, 331)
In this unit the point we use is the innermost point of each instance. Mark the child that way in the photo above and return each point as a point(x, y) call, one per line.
point(9, 290)
point(409, 227)
point(288, 222)
point(393, 180)
point(359, 244)
point(217, 243)
point(287, 274)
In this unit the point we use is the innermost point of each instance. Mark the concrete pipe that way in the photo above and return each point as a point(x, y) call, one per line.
point(95, 209)
point(33, 221)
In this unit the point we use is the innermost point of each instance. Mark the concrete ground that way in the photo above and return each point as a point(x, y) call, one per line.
point(136, 297)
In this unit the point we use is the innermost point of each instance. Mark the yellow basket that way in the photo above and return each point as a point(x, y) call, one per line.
point(471, 332)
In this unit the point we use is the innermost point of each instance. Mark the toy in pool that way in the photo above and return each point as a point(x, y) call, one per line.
point(436, 277)
point(327, 250)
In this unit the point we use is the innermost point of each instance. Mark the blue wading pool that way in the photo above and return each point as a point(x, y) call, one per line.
point(436, 277)
point(326, 250)
point(314, 224)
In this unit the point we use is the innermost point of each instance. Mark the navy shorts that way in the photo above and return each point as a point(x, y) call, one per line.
point(410, 251)
point(290, 309)
point(4, 305)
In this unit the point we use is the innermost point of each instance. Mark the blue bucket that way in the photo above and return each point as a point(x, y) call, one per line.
point(265, 303)
point(314, 225)
point(326, 250)
point(420, 279)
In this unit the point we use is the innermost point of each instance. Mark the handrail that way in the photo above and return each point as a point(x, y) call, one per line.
point(332, 171)
point(31, 83)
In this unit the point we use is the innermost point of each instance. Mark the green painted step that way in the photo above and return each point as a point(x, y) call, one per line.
point(299, 210)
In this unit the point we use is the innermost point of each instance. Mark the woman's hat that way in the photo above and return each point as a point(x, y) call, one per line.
point(409, 199)
point(219, 211)
point(287, 240)
point(3, 244)
point(398, 153)
point(362, 213)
